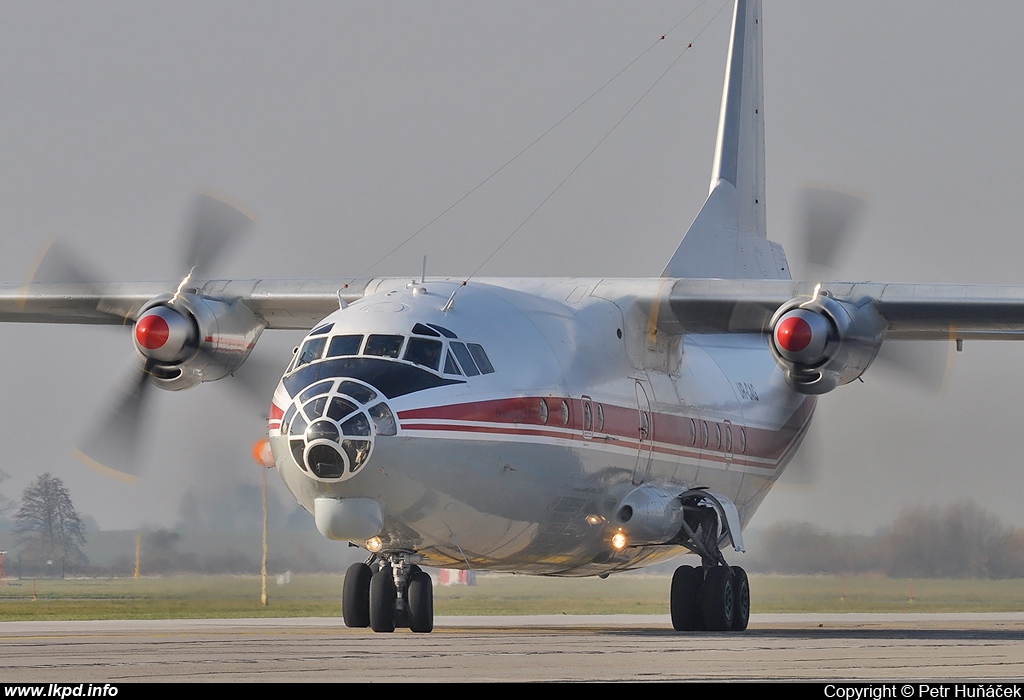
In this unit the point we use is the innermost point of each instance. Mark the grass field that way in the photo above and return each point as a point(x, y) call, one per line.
point(320, 595)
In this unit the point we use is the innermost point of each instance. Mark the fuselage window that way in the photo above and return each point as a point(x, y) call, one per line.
point(543, 408)
point(342, 345)
point(718, 436)
point(743, 440)
point(600, 417)
point(481, 358)
point(450, 367)
point(565, 412)
point(424, 352)
point(420, 329)
point(588, 417)
point(465, 359)
point(728, 438)
point(384, 345)
point(693, 432)
point(703, 433)
point(311, 350)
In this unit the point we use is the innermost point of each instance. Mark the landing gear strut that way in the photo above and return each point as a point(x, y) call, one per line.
point(388, 591)
point(716, 596)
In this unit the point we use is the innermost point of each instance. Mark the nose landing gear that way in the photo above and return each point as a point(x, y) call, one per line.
point(388, 591)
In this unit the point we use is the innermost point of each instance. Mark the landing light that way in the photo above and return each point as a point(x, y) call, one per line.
point(594, 520)
point(619, 540)
point(374, 544)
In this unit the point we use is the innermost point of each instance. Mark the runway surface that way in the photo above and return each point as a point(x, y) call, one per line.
point(570, 648)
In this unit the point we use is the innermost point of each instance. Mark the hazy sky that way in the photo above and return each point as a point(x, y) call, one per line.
point(347, 126)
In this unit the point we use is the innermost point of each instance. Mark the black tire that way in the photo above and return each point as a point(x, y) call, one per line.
point(421, 602)
point(355, 597)
point(741, 598)
point(716, 599)
point(684, 598)
point(382, 600)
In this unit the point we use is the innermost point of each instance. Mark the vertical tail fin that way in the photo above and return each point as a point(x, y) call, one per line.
point(728, 239)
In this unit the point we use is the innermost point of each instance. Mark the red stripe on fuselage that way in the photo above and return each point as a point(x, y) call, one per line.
point(677, 435)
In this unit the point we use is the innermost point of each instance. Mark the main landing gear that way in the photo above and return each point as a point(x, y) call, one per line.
point(388, 591)
point(715, 599)
point(715, 596)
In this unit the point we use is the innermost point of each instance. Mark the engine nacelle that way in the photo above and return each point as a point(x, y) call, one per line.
point(650, 515)
point(186, 339)
point(822, 342)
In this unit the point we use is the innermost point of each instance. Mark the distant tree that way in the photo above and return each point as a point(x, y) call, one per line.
point(802, 548)
point(159, 552)
point(47, 526)
point(960, 540)
point(6, 504)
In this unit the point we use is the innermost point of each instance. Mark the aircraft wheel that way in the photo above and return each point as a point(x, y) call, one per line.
point(684, 598)
point(355, 597)
point(741, 598)
point(717, 600)
point(421, 602)
point(382, 600)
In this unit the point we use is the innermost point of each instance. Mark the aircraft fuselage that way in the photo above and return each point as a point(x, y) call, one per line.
point(522, 466)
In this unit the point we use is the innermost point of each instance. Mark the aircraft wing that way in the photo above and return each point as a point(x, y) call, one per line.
point(911, 311)
point(283, 304)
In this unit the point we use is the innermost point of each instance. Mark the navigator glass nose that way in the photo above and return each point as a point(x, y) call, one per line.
point(332, 424)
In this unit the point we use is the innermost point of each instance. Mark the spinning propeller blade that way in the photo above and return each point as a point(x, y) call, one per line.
point(828, 219)
point(113, 444)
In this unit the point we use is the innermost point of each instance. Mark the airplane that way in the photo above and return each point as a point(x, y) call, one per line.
point(561, 427)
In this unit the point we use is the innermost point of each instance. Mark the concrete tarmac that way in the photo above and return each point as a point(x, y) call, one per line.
point(920, 647)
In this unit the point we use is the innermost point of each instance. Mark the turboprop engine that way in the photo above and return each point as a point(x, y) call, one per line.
point(823, 342)
point(186, 339)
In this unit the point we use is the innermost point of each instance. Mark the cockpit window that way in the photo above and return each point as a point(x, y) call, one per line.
point(420, 329)
point(359, 392)
point(442, 330)
point(339, 408)
point(316, 390)
point(481, 358)
point(383, 419)
point(465, 359)
point(424, 352)
point(322, 330)
point(342, 345)
point(384, 345)
point(311, 350)
point(356, 425)
point(449, 364)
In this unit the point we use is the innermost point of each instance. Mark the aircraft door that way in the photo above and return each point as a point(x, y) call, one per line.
point(588, 417)
point(727, 443)
point(645, 430)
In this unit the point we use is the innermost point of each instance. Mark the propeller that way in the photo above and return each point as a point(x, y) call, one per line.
point(113, 444)
point(829, 218)
point(829, 223)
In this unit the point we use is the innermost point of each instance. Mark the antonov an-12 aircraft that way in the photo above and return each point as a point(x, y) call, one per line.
point(556, 426)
